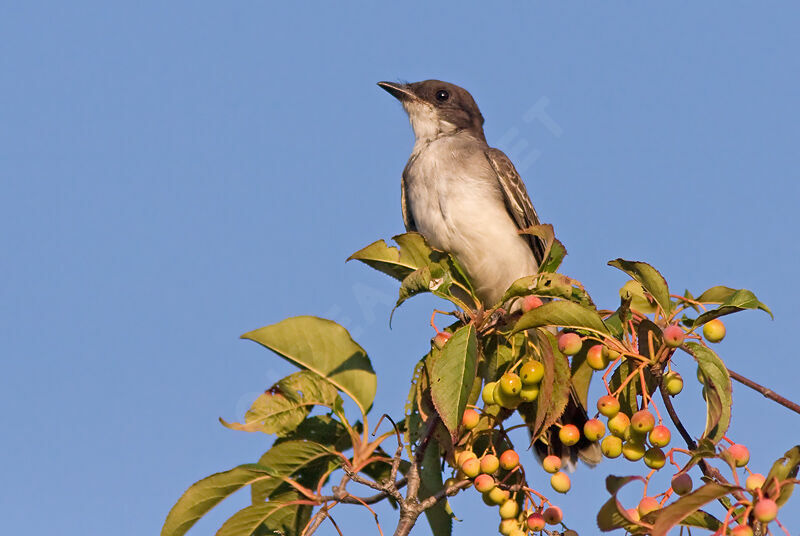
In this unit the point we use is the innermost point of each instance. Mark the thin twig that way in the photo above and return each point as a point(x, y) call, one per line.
point(768, 393)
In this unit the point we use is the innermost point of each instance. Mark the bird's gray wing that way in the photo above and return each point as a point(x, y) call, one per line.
point(408, 217)
point(518, 203)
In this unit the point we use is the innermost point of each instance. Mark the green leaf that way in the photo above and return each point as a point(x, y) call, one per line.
point(287, 403)
point(733, 302)
point(431, 482)
point(435, 278)
point(499, 352)
point(649, 278)
point(562, 313)
point(324, 347)
point(289, 459)
point(627, 397)
point(414, 253)
point(613, 515)
point(581, 375)
point(718, 390)
point(205, 494)
point(452, 376)
point(554, 250)
point(246, 521)
point(678, 511)
point(783, 468)
point(549, 285)
point(321, 429)
point(702, 519)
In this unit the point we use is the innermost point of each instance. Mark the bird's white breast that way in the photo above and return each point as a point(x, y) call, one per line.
point(458, 207)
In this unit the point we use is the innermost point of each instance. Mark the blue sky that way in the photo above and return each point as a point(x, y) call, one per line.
point(176, 174)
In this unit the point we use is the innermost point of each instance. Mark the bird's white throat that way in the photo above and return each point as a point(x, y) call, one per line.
point(425, 121)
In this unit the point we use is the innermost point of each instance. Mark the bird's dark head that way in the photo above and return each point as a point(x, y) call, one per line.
point(437, 108)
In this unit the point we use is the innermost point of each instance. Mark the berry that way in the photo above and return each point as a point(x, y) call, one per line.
point(569, 434)
point(529, 393)
point(654, 458)
point(471, 467)
point(504, 400)
point(633, 450)
point(507, 526)
point(517, 532)
point(673, 382)
point(596, 358)
point(489, 464)
point(742, 530)
point(660, 436)
point(754, 481)
point(569, 343)
point(531, 372)
point(740, 454)
point(498, 495)
point(714, 331)
point(647, 505)
point(509, 384)
point(560, 482)
point(441, 338)
point(553, 515)
point(488, 393)
point(673, 336)
point(509, 460)
point(608, 406)
point(484, 483)
point(530, 302)
point(619, 424)
point(633, 513)
point(551, 463)
point(611, 446)
point(765, 510)
point(682, 483)
point(643, 421)
point(470, 419)
point(450, 482)
point(594, 429)
point(463, 456)
point(535, 521)
point(509, 509)
point(609, 354)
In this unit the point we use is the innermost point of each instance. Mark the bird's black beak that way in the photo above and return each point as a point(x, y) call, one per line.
point(399, 91)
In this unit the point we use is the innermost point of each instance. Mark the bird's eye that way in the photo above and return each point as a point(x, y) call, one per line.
point(442, 95)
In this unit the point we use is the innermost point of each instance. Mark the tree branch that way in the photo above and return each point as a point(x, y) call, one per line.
point(768, 393)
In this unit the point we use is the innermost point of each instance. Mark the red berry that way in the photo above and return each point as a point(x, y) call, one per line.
point(509, 460)
point(742, 530)
point(608, 406)
point(643, 421)
point(530, 302)
point(441, 338)
point(740, 454)
point(535, 521)
point(484, 483)
point(647, 505)
point(594, 429)
point(660, 436)
point(673, 336)
point(596, 357)
point(619, 424)
point(551, 463)
point(569, 434)
point(553, 515)
point(471, 467)
point(569, 343)
point(470, 419)
point(765, 510)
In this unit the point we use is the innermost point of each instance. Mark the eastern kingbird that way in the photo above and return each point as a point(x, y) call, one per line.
point(467, 198)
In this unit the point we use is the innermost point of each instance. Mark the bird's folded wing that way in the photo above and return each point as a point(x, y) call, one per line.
point(518, 203)
point(408, 218)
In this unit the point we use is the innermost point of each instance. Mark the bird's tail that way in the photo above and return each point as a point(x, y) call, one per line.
point(585, 450)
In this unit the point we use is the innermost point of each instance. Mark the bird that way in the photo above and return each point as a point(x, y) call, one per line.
point(467, 198)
